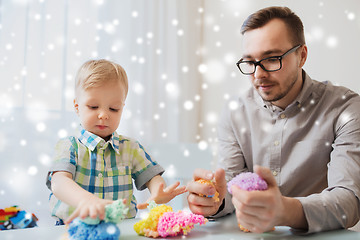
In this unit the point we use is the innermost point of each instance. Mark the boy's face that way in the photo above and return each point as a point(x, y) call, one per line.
point(100, 108)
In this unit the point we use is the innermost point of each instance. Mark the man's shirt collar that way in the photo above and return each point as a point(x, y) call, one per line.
point(303, 95)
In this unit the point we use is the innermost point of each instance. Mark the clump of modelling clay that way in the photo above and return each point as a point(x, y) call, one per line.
point(250, 182)
point(178, 223)
point(148, 226)
point(103, 230)
point(216, 195)
point(100, 229)
point(163, 222)
point(114, 213)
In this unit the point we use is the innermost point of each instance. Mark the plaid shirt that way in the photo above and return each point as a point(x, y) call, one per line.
point(105, 169)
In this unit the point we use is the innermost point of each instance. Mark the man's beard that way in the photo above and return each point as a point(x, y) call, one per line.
point(281, 94)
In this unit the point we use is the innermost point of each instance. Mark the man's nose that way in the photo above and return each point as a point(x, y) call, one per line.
point(260, 72)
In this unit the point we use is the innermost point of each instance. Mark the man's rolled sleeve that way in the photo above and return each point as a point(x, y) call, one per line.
point(228, 207)
point(332, 209)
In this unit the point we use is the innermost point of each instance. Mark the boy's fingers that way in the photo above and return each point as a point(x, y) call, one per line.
point(142, 205)
point(175, 185)
point(72, 216)
point(172, 187)
point(180, 190)
point(161, 186)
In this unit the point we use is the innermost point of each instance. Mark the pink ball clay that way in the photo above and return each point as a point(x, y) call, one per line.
point(248, 181)
point(178, 223)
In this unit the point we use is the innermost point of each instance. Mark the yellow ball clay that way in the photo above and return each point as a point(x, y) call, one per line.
point(163, 222)
point(148, 227)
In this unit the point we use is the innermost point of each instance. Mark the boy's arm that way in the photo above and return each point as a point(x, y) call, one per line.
point(68, 191)
point(160, 194)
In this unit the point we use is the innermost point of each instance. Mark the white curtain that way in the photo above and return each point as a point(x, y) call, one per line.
point(157, 42)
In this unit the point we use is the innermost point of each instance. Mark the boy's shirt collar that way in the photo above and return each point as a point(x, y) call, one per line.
point(91, 140)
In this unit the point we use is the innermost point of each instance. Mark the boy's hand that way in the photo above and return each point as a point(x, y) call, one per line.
point(92, 207)
point(161, 195)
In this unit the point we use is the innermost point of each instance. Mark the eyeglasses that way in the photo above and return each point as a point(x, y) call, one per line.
point(270, 64)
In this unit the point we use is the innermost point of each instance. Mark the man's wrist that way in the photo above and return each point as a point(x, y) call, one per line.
point(222, 206)
point(297, 217)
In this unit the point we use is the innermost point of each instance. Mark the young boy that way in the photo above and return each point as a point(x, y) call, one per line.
point(97, 166)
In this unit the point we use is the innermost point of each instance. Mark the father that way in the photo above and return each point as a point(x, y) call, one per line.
point(304, 134)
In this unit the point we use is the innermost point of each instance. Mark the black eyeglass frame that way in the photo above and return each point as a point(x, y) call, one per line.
point(258, 63)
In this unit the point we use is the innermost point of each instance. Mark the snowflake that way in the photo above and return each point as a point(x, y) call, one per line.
point(202, 145)
point(211, 117)
point(149, 35)
point(350, 15)
point(172, 89)
point(170, 171)
point(202, 68)
point(41, 127)
point(23, 142)
point(180, 32)
point(62, 133)
point(215, 71)
point(188, 105)
point(45, 159)
point(185, 69)
point(332, 42)
point(134, 14)
point(138, 88)
point(32, 171)
point(156, 116)
point(186, 153)
point(233, 105)
point(174, 22)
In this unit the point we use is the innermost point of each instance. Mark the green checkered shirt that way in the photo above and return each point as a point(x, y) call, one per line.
point(105, 169)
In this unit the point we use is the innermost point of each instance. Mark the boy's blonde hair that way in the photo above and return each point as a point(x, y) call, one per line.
point(95, 73)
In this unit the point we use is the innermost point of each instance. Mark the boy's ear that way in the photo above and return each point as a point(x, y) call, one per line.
point(76, 106)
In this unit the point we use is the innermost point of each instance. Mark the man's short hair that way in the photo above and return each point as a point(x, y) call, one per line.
point(263, 16)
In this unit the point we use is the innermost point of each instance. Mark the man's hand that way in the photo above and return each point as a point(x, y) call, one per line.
point(260, 211)
point(206, 206)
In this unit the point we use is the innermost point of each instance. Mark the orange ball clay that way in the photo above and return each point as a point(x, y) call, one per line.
point(216, 196)
point(247, 230)
point(243, 229)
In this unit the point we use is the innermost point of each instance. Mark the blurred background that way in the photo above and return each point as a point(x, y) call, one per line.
point(180, 59)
